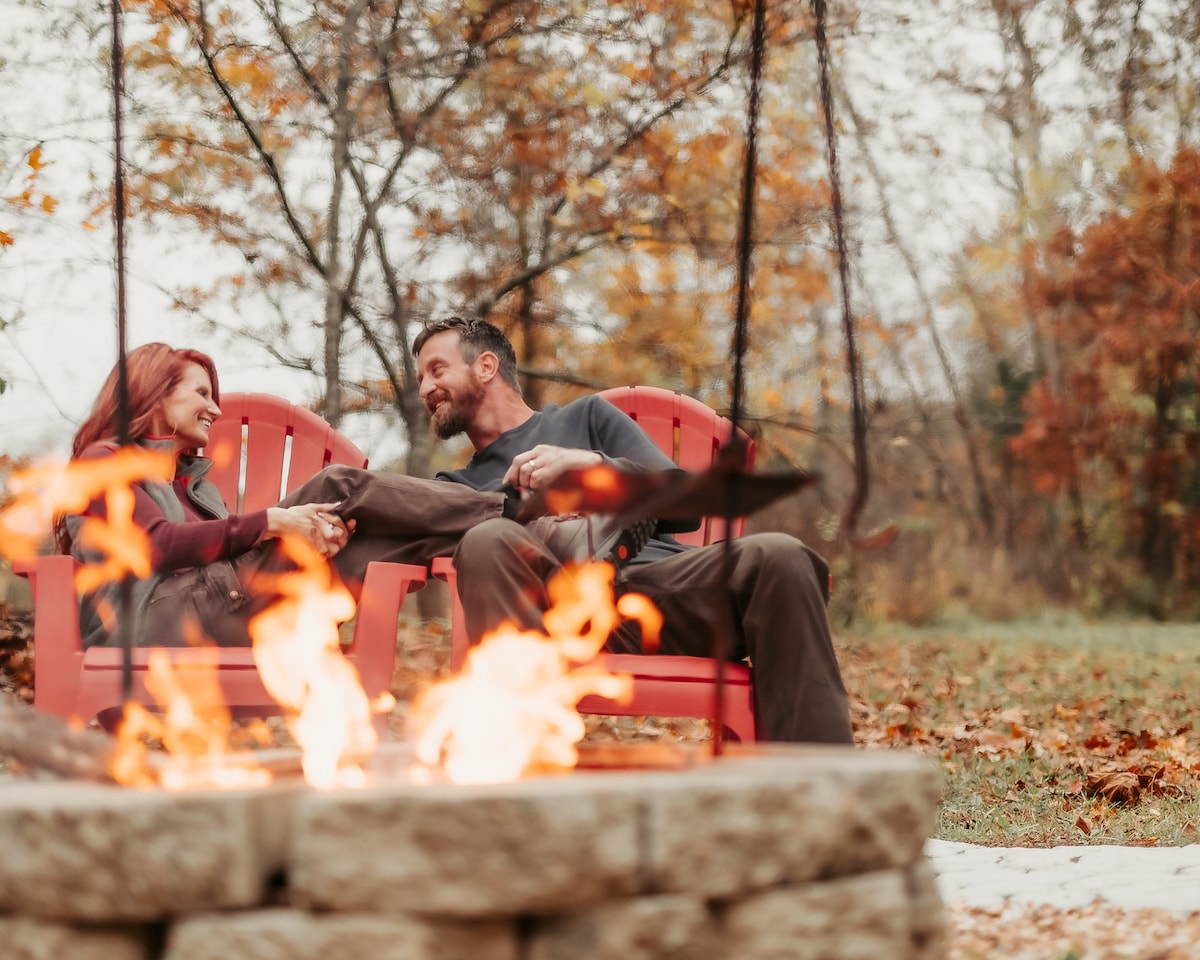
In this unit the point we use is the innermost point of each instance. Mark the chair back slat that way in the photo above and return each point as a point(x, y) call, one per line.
point(267, 447)
point(690, 433)
point(225, 443)
point(312, 442)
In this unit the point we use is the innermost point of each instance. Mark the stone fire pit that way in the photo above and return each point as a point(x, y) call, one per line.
point(765, 852)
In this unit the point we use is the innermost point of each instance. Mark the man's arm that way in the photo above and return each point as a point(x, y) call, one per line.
point(613, 438)
point(595, 433)
point(622, 442)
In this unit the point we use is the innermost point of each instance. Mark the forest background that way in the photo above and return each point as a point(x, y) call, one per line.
point(307, 181)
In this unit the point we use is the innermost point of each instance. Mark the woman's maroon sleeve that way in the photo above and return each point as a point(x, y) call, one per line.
point(191, 543)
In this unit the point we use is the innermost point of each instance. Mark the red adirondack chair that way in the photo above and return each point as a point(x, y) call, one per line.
point(264, 447)
point(690, 433)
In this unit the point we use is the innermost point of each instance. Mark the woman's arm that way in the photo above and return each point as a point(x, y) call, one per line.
point(195, 542)
point(191, 542)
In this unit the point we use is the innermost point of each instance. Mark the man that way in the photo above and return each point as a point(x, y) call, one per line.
point(467, 372)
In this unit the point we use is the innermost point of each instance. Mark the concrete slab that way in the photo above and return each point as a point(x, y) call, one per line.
point(1129, 878)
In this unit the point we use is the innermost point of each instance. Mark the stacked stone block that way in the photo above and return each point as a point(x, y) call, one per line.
point(767, 852)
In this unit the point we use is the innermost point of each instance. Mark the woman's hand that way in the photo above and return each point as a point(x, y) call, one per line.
point(535, 468)
point(315, 523)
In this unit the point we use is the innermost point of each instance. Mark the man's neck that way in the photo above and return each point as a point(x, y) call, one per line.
point(496, 418)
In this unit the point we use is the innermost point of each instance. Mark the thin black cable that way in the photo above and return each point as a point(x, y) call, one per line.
point(740, 344)
point(746, 227)
point(124, 627)
point(862, 477)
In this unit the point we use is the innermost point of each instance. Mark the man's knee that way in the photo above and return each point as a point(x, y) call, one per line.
point(339, 476)
point(332, 483)
point(497, 532)
point(781, 552)
point(496, 541)
point(504, 548)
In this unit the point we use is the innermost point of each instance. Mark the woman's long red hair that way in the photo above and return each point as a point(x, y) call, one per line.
point(154, 370)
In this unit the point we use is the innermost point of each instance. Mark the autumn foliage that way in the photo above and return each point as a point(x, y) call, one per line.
point(1113, 420)
point(568, 170)
point(27, 197)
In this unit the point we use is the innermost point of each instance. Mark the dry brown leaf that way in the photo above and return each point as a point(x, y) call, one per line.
point(1117, 786)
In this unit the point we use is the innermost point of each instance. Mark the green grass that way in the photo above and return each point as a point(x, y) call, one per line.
point(1049, 732)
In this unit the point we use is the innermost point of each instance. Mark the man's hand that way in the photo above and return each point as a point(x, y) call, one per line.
point(535, 468)
point(314, 522)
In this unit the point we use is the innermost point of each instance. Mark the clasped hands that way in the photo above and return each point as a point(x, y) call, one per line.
point(543, 464)
point(315, 523)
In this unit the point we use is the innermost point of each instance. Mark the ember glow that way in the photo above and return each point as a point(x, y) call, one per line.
point(194, 729)
point(512, 708)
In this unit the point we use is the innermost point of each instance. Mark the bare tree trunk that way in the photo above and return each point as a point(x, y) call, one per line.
point(335, 276)
point(983, 499)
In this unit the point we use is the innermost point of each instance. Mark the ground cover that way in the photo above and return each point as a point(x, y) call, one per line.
point(1050, 732)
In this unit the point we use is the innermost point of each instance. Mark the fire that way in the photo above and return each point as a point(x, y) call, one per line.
point(194, 730)
point(296, 644)
point(512, 707)
point(296, 649)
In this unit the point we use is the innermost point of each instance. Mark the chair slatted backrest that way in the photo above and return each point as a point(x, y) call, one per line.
point(690, 433)
point(268, 447)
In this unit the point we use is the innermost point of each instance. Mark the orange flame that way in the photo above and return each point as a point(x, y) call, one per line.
point(41, 492)
point(512, 707)
point(194, 730)
point(297, 651)
point(295, 640)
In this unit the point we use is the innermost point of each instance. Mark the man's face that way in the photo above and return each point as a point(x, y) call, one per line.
point(450, 387)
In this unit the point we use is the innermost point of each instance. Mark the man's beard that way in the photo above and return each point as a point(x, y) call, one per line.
point(455, 415)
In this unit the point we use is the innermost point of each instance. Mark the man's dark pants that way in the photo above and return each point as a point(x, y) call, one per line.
point(774, 590)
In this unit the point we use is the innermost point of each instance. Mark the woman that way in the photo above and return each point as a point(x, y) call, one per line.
point(203, 559)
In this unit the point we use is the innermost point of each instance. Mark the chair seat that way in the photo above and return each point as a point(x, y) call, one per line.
point(112, 658)
point(674, 669)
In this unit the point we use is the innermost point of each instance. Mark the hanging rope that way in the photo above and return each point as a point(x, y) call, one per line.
point(740, 343)
point(746, 226)
point(125, 628)
point(862, 476)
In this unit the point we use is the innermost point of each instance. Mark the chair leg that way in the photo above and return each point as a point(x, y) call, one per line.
point(374, 648)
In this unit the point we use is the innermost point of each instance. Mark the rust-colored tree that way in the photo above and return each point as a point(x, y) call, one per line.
point(1114, 428)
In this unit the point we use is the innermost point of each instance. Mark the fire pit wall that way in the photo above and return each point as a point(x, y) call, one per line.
point(781, 852)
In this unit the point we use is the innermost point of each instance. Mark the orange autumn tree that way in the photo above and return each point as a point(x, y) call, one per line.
point(670, 293)
point(1113, 426)
point(371, 162)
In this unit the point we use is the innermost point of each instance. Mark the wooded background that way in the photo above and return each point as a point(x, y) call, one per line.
point(1022, 188)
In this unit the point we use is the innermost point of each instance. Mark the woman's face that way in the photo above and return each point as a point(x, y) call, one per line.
point(188, 411)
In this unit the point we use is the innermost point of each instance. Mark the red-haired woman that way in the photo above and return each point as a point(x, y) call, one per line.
point(204, 559)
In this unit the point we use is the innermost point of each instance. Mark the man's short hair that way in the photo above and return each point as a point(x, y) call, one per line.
point(475, 337)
